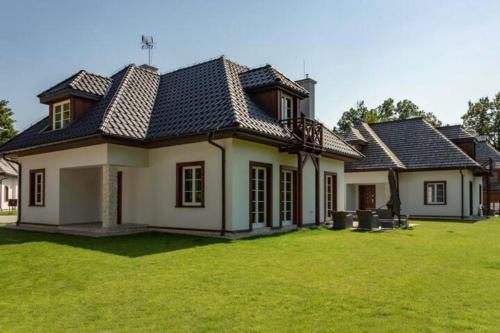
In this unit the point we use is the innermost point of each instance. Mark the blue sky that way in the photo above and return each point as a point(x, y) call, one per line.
point(440, 54)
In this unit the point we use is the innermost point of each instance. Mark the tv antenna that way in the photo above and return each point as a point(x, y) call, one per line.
point(147, 43)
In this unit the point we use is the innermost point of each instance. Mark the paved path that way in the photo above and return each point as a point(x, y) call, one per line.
point(8, 218)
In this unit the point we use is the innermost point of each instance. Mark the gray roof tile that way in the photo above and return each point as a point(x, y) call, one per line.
point(82, 81)
point(142, 105)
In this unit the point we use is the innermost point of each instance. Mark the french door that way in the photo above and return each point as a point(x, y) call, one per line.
point(287, 197)
point(258, 213)
point(330, 195)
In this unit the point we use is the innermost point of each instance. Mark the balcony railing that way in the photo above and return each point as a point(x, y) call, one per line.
point(307, 134)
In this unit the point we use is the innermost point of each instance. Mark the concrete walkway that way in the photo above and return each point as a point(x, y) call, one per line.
point(8, 219)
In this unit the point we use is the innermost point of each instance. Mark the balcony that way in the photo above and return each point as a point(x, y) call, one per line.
point(306, 134)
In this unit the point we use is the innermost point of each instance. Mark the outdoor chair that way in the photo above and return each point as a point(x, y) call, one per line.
point(342, 220)
point(387, 221)
point(367, 220)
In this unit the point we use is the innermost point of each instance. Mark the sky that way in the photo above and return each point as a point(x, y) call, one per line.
point(439, 54)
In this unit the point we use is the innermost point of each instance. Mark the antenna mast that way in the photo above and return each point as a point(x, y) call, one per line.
point(147, 43)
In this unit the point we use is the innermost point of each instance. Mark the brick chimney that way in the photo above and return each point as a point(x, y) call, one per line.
point(307, 104)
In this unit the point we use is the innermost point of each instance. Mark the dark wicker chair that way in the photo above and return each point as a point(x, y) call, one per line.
point(367, 220)
point(342, 220)
point(387, 221)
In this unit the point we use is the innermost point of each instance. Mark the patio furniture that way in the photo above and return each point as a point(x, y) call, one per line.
point(386, 218)
point(341, 220)
point(367, 220)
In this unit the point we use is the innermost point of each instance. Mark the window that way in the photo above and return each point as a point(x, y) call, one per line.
point(480, 194)
point(37, 187)
point(62, 114)
point(286, 107)
point(287, 205)
point(6, 193)
point(330, 194)
point(191, 184)
point(435, 193)
point(260, 194)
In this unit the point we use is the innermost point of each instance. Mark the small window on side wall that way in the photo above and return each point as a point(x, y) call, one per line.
point(191, 184)
point(62, 114)
point(37, 187)
point(435, 193)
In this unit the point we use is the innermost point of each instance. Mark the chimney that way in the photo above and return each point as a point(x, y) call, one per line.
point(149, 68)
point(307, 104)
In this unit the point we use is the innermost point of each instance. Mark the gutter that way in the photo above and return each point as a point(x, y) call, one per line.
point(462, 192)
point(223, 185)
point(19, 187)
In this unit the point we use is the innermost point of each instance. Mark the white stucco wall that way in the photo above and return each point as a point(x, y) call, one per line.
point(72, 178)
point(11, 183)
point(244, 151)
point(377, 178)
point(412, 193)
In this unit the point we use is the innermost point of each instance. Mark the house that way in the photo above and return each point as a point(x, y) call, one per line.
point(436, 178)
point(8, 181)
point(215, 147)
point(479, 149)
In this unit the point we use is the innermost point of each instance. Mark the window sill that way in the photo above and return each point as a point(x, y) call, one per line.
point(188, 206)
point(435, 204)
point(33, 205)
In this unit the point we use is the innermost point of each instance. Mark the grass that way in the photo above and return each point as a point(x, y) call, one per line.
point(439, 277)
point(8, 212)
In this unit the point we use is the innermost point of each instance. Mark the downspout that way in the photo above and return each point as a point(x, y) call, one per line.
point(462, 192)
point(223, 185)
point(19, 187)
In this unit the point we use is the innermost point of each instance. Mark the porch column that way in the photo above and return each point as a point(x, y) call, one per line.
point(109, 196)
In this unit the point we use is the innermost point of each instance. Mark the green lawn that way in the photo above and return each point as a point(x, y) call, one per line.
point(439, 277)
point(8, 212)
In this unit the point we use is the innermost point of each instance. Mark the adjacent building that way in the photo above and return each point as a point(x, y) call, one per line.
point(436, 177)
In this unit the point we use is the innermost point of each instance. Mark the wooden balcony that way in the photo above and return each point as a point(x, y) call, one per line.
point(306, 135)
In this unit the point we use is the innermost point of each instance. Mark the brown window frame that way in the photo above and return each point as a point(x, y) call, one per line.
point(269, 192)
point(180, 181)
point(6, 193)
point(32, 184)
point(426, 202)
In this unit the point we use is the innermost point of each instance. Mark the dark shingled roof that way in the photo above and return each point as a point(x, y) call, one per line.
point(355, 136)
point(266, 76)
point(142, 105)
point(456, 132)
point(377, 154)
point(484, 151)
point(82, 81)
point(415, 143)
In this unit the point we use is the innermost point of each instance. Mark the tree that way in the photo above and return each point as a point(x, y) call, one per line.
point(7, 130)
point(483, 117)
point(386, 111)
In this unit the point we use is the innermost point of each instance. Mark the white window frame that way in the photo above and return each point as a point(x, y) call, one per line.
point(255, 203)
point(432, 190)
point(65, 118)
point(39, 180)
point(194, 180)
point(287, 186)
point(286, 107)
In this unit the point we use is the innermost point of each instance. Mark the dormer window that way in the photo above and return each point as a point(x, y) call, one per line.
point(62, 114)
point(286, 107)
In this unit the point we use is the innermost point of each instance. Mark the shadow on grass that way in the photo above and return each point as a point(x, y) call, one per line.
point(131, 246)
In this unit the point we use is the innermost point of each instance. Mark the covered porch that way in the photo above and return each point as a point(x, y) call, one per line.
point(367, 190)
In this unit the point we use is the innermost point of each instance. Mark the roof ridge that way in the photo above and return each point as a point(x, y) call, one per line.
point(382, 144)
point(395, 121)
point(449, 141)
point(230, 89)
point(196, 64)
point(116, 95)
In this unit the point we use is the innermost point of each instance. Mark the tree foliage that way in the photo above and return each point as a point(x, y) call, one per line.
point(483, 117)
point(7, 130)
point(388, 110)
